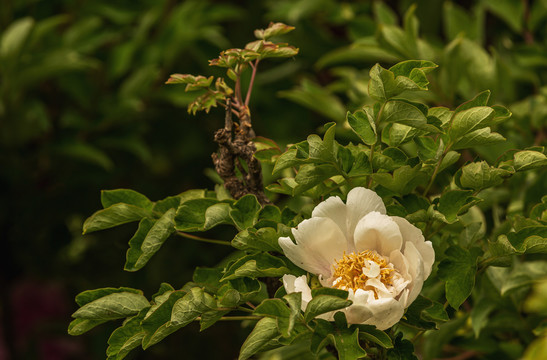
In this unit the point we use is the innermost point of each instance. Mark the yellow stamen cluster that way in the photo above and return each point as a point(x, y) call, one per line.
point(349, 270)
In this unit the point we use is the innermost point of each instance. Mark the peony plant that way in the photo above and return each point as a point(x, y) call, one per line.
point(382, 261)
point(405, 264)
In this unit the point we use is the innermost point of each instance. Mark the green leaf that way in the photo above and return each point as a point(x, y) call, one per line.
point(470, 120)
point(113, 306)
point(458, 271)
point(528, 240)
point(15, 36)
point(424, 314)
point(361, 166)
point(264, 239)
point(244, 212)
point(480, 175)
point(454, 203)
point(323, 149)
point(127, 337)
point(208, 278)
point(402, 349)
point(322, 304)
point(170, 202)
point(191, 214)
point(383, 13)
point(126, 196)
point(395, 134)
point(383, 85)
point(370, 333)
point(512, 12)
point(478, 137)
point(295, 304)
point(528, 160)
point(311, 175)
point(342, 294)
point(523, 275)
point(264, 331)
point(274, 29)
point(415, 70)
point(404, 179)
point(112, 216)
point(81, 326)
point(217, 214)
point(156, 324)
point(346, 340)
point(404, 113)
point(256, 265)
point(481, 99)
point(479, 315)
point(273, 307)
point(362, 122)
point(192, 305)
point(88, 296)
point(288, 159)
point(148, 239)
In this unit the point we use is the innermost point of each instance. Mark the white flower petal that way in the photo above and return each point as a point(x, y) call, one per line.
point(412, 233)
point(416, 271)
point(386, 312)
point(400, 263)
point(378, 232)
point(302, 259)
point(298, 284)
point(334, 209)
point(359, 312)
point(360, 202)
point(321, 239)
point(371, 269)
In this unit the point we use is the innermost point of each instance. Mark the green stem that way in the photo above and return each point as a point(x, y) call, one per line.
point(234, 318)
point(198, 238)
point(241, 308)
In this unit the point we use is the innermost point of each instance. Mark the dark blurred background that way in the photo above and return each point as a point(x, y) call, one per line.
point(83, 107)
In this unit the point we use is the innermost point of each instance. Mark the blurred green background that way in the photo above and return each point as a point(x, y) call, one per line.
point(83, 107)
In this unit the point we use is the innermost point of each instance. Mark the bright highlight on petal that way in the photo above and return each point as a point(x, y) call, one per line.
point(382, 261)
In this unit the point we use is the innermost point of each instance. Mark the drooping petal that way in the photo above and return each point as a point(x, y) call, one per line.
point(416, 270)
point(361, 201)
point(386, 312)
point(334, 209)
point(359, 312)
point(321, 238)
point(378, 232)
point(413, 234)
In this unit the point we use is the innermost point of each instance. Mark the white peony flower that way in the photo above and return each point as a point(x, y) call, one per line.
point(382, 261)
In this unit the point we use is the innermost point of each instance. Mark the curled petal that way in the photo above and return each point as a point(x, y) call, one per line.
point(413, 234)
point(377, 232)
point(360, 202)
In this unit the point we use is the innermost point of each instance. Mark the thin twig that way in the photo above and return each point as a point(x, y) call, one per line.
point(202, 239)
point(251, 82)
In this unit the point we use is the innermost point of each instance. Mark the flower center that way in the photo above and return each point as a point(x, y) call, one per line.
point(354, 270)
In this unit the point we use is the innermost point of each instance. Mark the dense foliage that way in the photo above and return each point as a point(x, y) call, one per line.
point(82, 95)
